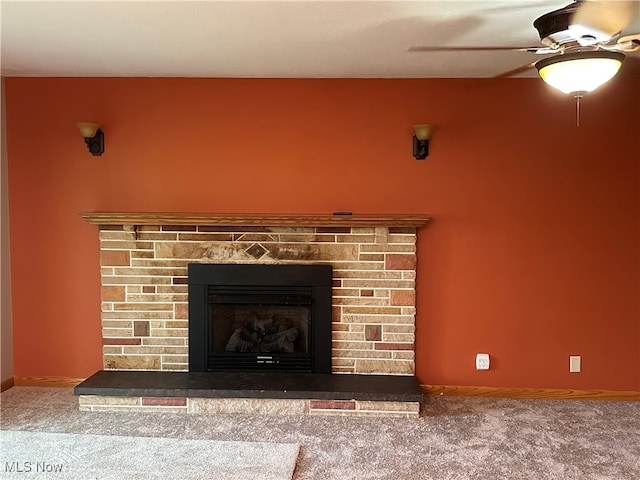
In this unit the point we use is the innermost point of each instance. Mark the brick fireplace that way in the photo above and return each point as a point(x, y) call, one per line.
point(144, 262)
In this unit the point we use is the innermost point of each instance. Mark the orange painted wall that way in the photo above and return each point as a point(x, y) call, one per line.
point(533, 253)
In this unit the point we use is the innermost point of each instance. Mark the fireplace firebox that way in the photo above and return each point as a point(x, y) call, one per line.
point(259, 318)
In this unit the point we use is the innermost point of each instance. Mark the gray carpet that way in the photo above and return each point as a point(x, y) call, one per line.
point(73, 456)
point(456, 438)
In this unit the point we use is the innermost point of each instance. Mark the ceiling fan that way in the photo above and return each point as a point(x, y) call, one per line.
point(584, 40)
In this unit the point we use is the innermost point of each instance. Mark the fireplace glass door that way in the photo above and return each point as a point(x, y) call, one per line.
point(259, 327)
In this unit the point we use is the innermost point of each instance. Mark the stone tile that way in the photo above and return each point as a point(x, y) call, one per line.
point(373, 332)
point(178, 228)
point(393, 346)
point(399, 329)
point(371, 257)
point(160, 263)
point(381, 302)
point(205, 237)
point(116, 332)
point(111, 350)
point(181, 359)
point(247, 405)
point(176, 324)
point(122, 315)
point(392, 367)
point(139, 280)
point(107, 400)
point(377, 283)
point(403, 354)
point(141, 254)
point(125, 245)
point(116, 235)
point(139, 409)
point(111, 293)
point(157, 236)
point(203, 251)
point(364, 272)
point(307, 238)
point(158, 297)
point(400, 262)
point(345, 292)
point(403, 297)
point(164, 401)
point(387, 248)
point(343, 362)
point(177, 289)
point(370, 310)
point(175, 367)
point(333, 229)
point(109, 228)
point(347, 336)
point(355, 238)
point(131, 306)
point(378, 319)
point(151, 272)
point(121, 341)
point(117, 324)
point(169, 332)
point(406, 239)
point(165, 341)
point(141, 328)
point(307, 252)
point(403, 230)
point(398, 337)
point(156, 350)
point(342, 345)
point(357, 413)
point(114, 257)
point(413, 407)
point(132, 362)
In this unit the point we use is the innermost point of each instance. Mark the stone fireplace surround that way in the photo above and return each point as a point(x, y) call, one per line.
point(144, 258)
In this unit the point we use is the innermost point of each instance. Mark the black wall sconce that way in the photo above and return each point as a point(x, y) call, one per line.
point(421, 140)
point(93, 137)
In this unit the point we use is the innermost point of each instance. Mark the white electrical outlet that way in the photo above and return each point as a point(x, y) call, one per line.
point(482, 361)
point(574, 363)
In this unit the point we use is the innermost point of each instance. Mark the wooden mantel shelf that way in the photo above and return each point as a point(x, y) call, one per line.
point(268, 220)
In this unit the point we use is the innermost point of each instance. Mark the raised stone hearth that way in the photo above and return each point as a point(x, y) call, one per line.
point(251, 392)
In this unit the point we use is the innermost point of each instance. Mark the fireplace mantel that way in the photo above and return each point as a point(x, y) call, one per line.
point(332, 220)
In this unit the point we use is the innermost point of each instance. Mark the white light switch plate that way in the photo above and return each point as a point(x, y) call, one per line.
point(482, 361)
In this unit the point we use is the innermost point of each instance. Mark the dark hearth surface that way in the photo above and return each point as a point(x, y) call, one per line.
point(317, 386)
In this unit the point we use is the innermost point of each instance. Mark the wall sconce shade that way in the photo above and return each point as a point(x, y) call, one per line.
point(421, 140)
point(580, 72)
point(93, 137)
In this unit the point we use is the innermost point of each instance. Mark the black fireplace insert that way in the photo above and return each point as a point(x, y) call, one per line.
point(259, 318)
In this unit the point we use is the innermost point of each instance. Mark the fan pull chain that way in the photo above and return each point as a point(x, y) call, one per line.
point(578, 97)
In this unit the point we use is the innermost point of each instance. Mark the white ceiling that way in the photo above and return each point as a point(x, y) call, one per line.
point(267, 38)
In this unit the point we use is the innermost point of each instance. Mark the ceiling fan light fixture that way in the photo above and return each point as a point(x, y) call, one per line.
point(579, 72)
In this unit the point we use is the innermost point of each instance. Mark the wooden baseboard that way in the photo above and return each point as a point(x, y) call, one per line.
point(551, 393)
point(6, 384)
point(46, 381)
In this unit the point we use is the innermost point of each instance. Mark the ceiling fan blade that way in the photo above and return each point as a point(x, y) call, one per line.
point(472, 49)
point(608, 17)
point(516, 71)
point(628, 43)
